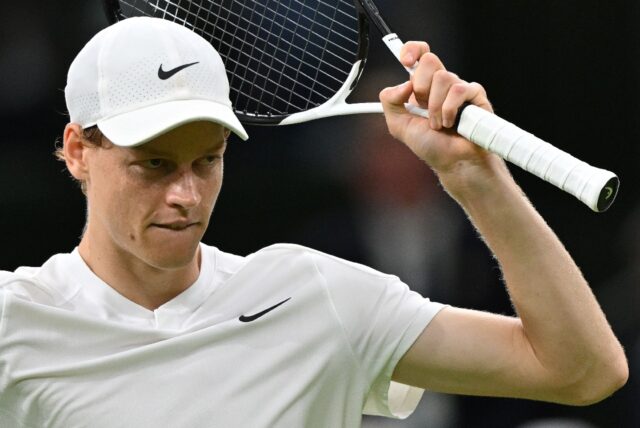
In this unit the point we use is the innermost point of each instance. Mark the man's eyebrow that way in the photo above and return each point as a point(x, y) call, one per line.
point(156, 152)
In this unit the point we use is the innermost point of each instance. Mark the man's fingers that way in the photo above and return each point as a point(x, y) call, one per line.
point(422, 79)
point(412, 51)
point(395, 113)
point(393, 98)
point(442, 82)
point(458, 94)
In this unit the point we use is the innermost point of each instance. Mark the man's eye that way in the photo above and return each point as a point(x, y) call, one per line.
point(210, 159)
point(153, 163)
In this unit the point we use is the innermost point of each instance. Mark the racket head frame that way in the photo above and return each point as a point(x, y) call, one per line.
point(112, 11)
point(114, 14)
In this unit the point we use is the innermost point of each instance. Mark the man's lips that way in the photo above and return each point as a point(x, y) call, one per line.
point(177, 225)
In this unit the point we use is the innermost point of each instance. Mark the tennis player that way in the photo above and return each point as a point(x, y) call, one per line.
point(142, 325)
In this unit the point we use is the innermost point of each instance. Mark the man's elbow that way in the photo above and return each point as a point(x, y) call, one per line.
point(598, 384)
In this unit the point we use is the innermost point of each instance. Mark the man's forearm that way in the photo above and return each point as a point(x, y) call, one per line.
point(561, 319)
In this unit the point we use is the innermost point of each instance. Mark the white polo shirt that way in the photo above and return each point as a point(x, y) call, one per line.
point(285, 337)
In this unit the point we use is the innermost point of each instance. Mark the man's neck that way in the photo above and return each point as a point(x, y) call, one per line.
point(143, 284)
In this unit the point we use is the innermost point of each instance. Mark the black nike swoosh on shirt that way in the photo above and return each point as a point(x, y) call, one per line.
point(249, 318)
point(165, 74)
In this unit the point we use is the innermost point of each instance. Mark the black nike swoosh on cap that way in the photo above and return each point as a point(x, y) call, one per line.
point(164, 75)
point(254, 317)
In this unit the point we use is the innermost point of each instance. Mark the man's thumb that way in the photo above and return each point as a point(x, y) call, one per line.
point(395, 97)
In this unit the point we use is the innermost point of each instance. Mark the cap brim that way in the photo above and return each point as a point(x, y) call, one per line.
point(138, 127)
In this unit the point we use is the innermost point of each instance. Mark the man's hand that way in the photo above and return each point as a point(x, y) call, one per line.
point(442, 93)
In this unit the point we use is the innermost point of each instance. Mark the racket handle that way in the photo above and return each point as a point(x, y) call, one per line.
point(595, 187)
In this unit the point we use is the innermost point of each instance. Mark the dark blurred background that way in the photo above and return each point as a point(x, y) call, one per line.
point(566, 71)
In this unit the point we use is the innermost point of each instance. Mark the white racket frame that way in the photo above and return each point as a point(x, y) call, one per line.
point(336, 105)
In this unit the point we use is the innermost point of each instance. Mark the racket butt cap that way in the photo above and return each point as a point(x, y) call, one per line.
point(608, 194)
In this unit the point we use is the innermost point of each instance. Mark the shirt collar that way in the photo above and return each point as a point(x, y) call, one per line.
point(115, 306)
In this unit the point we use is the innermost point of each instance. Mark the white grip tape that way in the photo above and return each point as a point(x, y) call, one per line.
point(534, 155)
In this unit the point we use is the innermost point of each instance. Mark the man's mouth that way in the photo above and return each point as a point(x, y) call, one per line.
point(179, 225)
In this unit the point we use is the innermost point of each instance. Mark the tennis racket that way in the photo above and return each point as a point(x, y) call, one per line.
point(292, 61)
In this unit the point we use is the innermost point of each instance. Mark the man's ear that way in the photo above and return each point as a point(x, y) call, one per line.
point(74, 152)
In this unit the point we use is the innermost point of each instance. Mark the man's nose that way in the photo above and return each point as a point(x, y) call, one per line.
point(183, 191)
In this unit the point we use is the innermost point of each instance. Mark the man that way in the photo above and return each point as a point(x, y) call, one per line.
point(142, 325)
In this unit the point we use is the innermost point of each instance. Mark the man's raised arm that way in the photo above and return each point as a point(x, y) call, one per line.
point(560, 348)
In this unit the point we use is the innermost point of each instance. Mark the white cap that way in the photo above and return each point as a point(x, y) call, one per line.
point(142, 77)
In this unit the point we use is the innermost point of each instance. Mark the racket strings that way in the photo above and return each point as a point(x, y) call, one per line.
point(298, 29)
point(282, 56)
point(324, 48)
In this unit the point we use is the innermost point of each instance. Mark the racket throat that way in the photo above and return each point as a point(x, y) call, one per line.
point(337, 105)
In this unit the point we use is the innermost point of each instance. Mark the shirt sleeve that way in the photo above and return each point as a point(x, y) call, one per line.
point(382, 318)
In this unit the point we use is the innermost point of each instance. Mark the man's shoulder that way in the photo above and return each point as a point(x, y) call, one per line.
point(298, 266)
point(324, 262)
point(230, 262)
point(6, 277)
point(47, 284)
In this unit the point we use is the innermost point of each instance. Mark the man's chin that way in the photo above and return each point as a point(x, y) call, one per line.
point(172, 258)
point(169, 249)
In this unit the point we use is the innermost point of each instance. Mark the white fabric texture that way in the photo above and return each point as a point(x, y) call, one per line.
point(75, 353)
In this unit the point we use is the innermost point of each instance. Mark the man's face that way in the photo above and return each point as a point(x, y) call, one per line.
point(152, 203)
